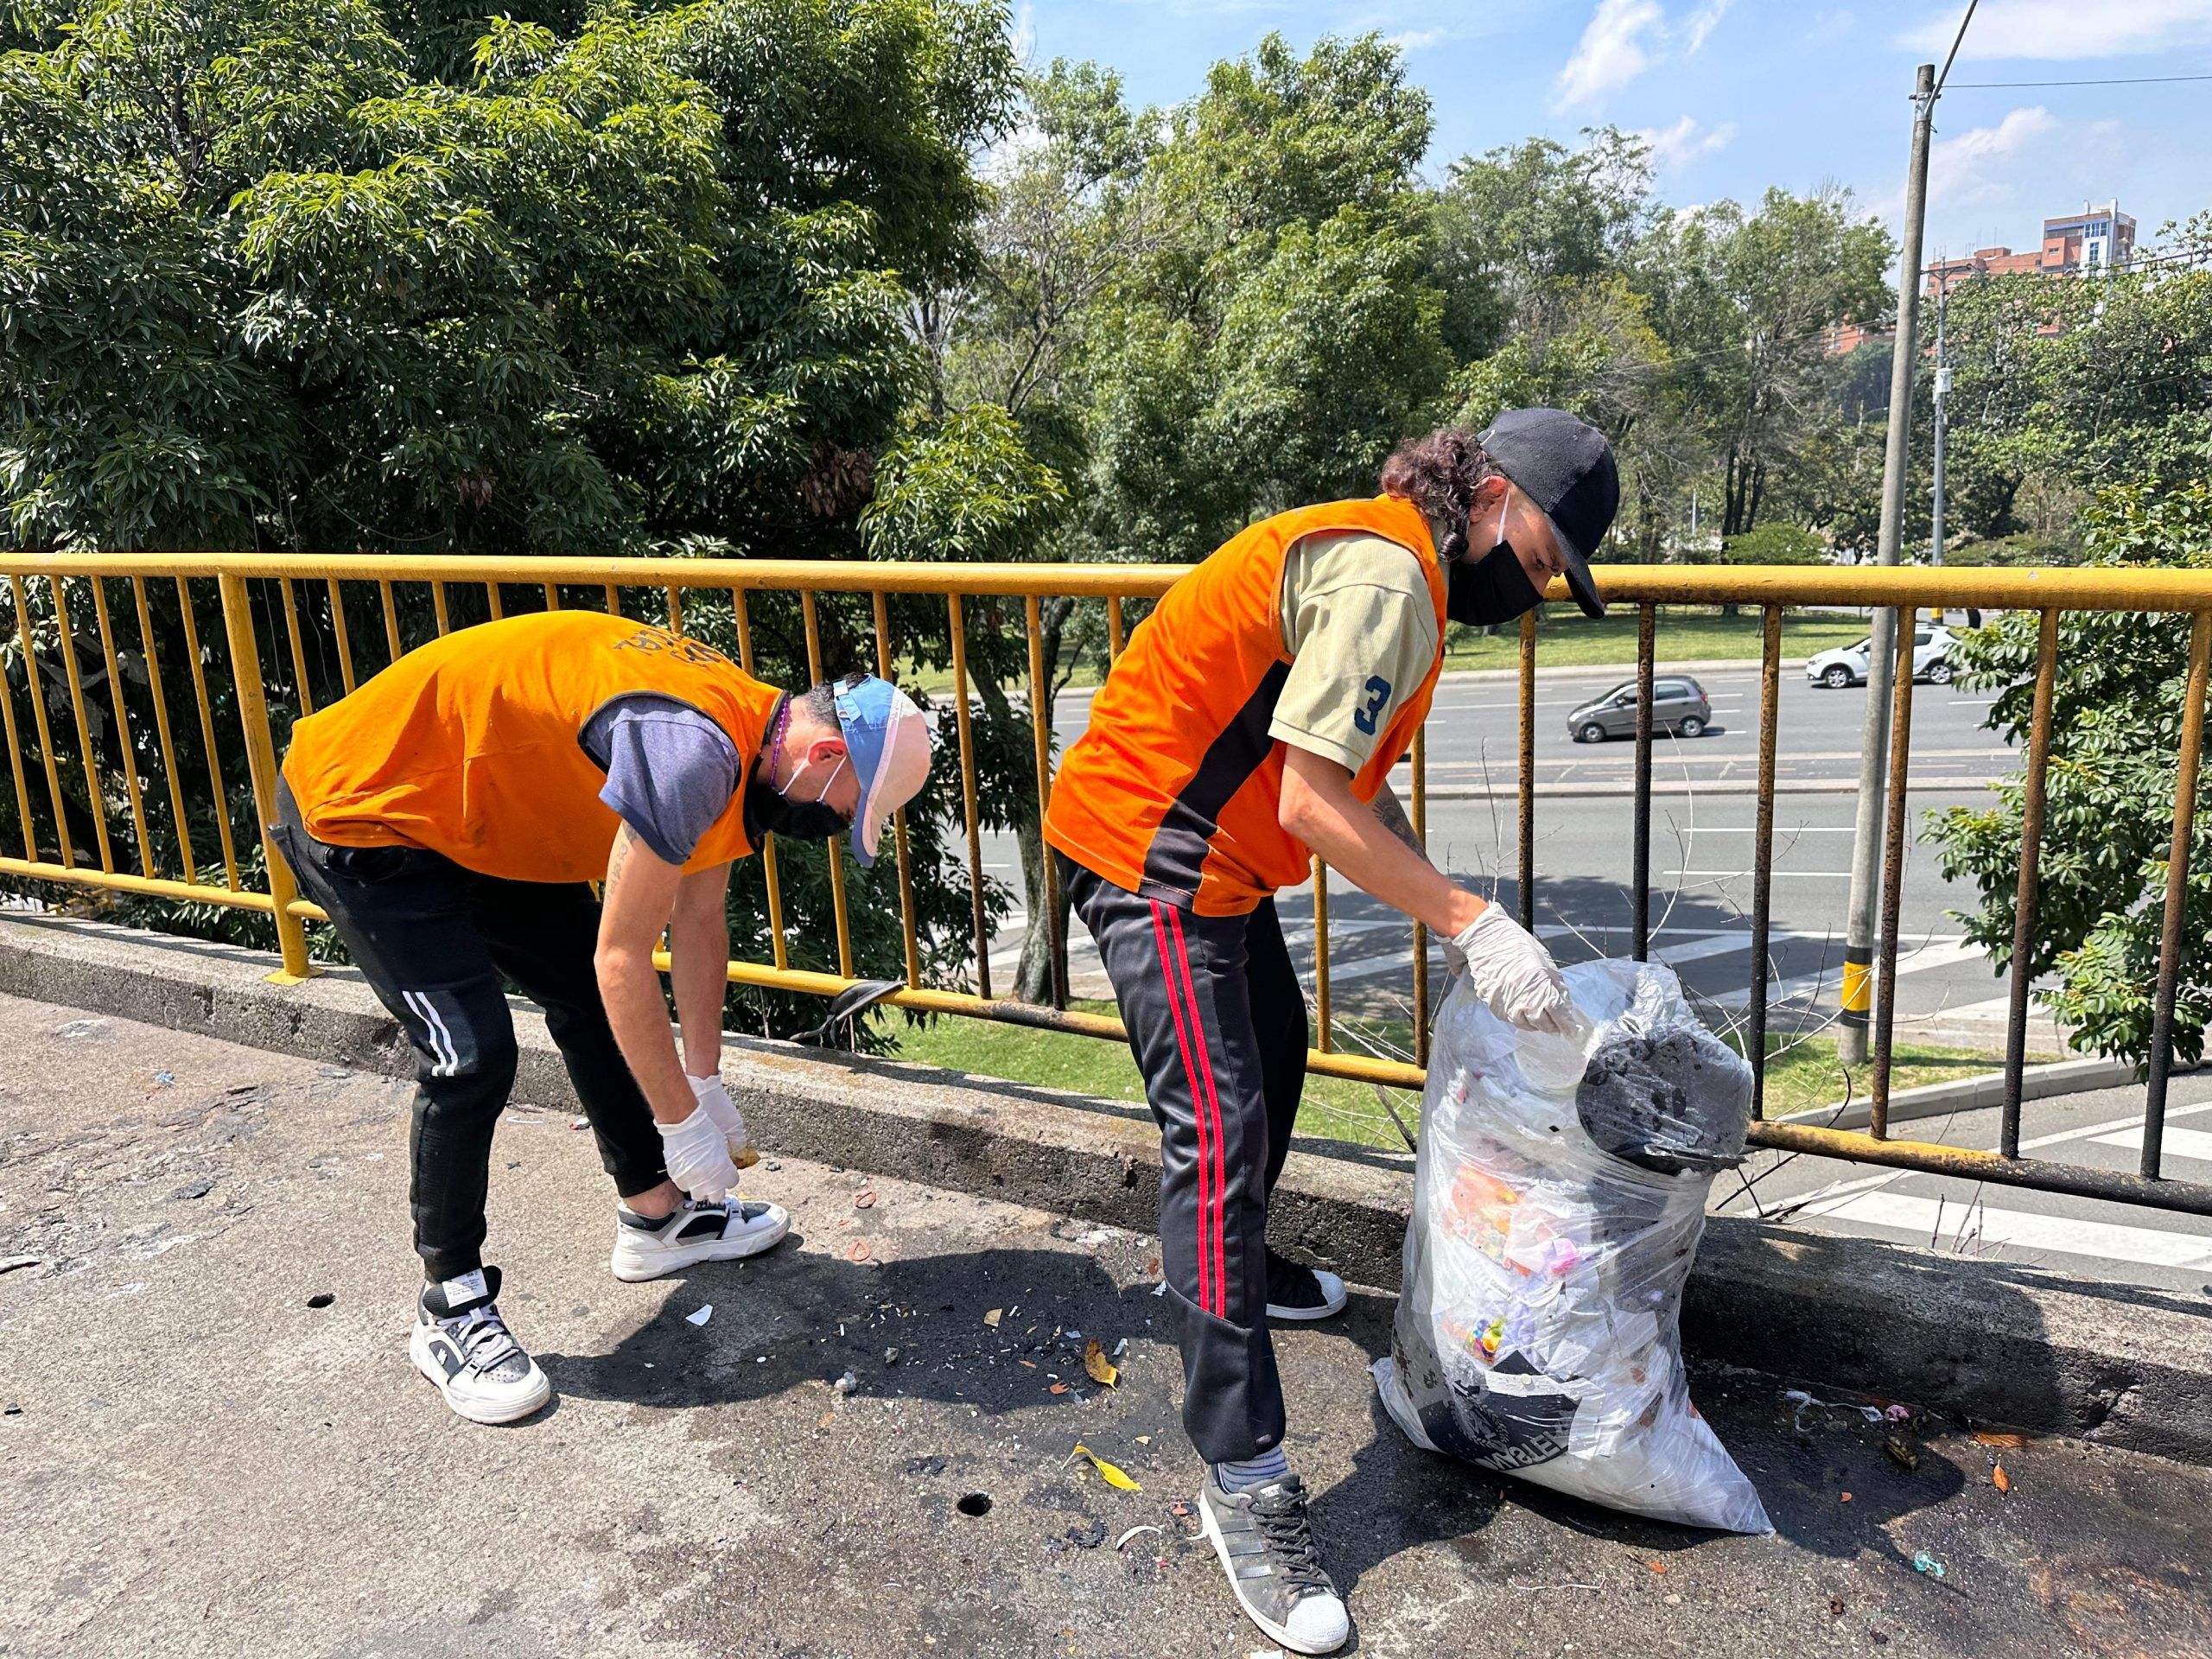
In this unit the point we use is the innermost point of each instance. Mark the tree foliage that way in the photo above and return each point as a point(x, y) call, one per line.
point(2116, 725)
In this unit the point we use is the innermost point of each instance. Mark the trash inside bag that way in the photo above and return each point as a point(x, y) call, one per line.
point(1559, 1198)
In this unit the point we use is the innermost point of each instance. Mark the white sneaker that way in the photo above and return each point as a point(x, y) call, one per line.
point(693, 1233)
point(461, 1343)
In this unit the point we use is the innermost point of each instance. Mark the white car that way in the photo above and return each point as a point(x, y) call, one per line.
point(1931, 660)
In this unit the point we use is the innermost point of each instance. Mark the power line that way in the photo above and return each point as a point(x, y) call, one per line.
point(2124, 80)
point(1956, 41)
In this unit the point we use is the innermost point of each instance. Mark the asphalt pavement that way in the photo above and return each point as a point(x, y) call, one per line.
point(863, 1444)
point(1702, 840)
point(1949, 992)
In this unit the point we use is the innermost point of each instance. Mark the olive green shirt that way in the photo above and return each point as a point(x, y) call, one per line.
point(1361, 629)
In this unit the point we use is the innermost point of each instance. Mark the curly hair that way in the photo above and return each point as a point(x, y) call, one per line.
point(1439, 473)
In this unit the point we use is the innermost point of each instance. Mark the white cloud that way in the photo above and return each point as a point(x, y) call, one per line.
point(1624, 39)
point(2059, 30)
point(1676, 147)
point(1977, 165)
point(1610, 53)
point(1702, 23)
point(1413, 40)
point(1984, 165)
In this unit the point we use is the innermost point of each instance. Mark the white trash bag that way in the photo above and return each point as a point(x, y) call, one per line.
point(1559, 1198)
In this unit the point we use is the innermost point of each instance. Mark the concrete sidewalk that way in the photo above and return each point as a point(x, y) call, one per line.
point(197, 1459)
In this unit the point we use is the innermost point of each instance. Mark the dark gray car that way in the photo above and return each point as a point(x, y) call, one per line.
point(1678, 705)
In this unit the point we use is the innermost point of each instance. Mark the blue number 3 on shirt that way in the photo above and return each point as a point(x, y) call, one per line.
point(1378, 693)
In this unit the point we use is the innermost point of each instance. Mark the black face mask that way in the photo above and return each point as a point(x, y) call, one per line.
point(779, 815)
point(1489, 590)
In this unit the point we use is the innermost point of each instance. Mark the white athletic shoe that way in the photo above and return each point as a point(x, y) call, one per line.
point(461, 1343)
point(693, 1233)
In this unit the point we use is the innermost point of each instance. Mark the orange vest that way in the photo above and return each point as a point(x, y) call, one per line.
point(472, 745)
point(1174, 790)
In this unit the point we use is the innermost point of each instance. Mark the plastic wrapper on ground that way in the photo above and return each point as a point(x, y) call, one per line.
point(1560, 1196)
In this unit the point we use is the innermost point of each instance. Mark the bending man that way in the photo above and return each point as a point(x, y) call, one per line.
point(449, 814)
point(1253, 721)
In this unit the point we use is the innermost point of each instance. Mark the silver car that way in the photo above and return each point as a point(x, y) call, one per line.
point(1678, 705)
point(1846, 666)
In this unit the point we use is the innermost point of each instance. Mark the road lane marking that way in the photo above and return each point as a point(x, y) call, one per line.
point(2195, 1144)
point(1937, 1219)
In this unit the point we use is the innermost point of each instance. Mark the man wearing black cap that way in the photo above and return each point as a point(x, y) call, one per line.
point(1252, 723)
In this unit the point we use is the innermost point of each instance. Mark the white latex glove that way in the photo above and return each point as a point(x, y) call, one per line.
point(1511, 972)
point(698, 1156)
point(714, 1100)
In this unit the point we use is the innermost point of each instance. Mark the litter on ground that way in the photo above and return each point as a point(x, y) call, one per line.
point(1108, 1473)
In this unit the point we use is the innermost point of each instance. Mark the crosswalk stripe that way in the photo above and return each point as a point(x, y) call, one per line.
point(2177, 1143)
point(1942, 1220)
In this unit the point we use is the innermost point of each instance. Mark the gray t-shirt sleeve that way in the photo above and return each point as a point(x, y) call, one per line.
point(670, 771)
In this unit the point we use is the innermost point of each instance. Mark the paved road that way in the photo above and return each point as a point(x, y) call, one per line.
point(1474, 731)
point(196, 1463)
point(2101, 1128)
point(1701, 849)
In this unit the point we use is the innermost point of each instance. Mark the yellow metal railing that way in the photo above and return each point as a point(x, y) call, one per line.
point(360, 625)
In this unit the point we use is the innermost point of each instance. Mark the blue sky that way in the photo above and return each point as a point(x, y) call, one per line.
point(1739, 94)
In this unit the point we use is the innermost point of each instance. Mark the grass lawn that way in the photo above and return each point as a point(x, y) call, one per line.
point(1806, 1077)
point(1566, 638)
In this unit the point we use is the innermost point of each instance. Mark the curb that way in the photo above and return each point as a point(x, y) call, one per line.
point(1492, 676)
point(1714, 665)
point(1691, 786)
point(1977, 1094)
point(1999, 1342)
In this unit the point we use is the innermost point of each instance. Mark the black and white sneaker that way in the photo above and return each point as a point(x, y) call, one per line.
point(462, 1344)
point(1296, 1292)
point(693, 1233)
point(1265, 1540)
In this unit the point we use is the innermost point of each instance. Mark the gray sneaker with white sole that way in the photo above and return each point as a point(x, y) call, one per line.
point(461, 1343)
point(1265, 1539)
point(695, 1232)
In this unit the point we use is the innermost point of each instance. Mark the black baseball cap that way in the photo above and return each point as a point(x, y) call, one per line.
point(1566, 467)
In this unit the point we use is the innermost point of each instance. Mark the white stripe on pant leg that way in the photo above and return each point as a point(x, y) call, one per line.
point(444, 1061)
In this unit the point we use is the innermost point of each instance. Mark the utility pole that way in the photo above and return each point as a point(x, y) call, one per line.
point(1942, 390)
point(1874, 739)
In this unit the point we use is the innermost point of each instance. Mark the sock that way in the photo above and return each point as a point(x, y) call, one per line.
point(1255, 1472)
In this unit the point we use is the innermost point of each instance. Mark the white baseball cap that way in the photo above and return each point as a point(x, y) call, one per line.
point(888, 740)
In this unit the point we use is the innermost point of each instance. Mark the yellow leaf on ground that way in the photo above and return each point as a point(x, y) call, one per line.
point(1107, 1472)
point(1103, 1371)
point(993, 1318)
point(2004, 1482)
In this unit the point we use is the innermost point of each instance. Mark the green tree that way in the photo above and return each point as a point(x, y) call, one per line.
point(2115, 735)
point(1744, 300)
point(303, 274)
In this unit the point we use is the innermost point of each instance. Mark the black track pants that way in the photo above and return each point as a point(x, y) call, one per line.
point(1216, 1022)
point(437, 942)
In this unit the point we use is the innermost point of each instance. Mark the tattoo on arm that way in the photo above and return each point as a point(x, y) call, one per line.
point(1394, 819)
point(625, 839)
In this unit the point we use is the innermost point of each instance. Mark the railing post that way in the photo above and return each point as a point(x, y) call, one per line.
point(261, 758)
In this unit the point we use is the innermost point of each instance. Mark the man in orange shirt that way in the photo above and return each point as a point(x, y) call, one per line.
point(449, 815)
point(1252, 722)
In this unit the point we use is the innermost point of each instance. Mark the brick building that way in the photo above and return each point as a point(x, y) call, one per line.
point(2074, 244)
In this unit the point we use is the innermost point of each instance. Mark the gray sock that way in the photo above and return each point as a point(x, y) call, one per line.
point(1257, 1472)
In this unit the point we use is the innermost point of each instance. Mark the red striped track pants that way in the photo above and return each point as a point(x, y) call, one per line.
point(1217, 1022)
